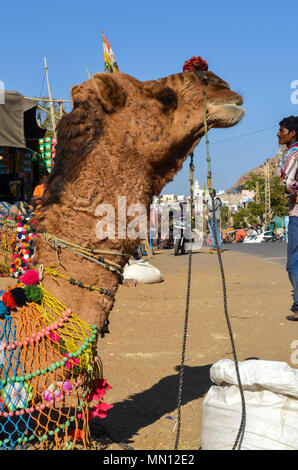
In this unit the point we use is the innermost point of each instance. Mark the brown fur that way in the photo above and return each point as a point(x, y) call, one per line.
point(122, 138)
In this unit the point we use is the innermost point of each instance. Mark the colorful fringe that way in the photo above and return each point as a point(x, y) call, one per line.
point(17, 245)
point(50, 373)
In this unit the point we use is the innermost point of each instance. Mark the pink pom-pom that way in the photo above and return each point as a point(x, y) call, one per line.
point(67, 386)
point(31, 277)
point(47, 395)
point(54, 337)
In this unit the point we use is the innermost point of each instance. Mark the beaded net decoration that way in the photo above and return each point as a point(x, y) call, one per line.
point(50, 373)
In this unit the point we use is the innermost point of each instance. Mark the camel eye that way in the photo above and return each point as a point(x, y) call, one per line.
point(168, 98)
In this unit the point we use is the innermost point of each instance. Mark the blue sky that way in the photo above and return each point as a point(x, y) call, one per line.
point(253, 47)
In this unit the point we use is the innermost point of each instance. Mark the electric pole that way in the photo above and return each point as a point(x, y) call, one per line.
point(257, 192)
point(230, 220)
point(267, 195)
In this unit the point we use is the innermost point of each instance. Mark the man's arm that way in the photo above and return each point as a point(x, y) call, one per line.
point(208, 205)
point(290, 175)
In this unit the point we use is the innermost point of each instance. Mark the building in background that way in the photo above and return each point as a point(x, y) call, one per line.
point(247, 196)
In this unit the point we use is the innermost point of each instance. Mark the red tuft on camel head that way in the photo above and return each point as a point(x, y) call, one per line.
point(195, 63)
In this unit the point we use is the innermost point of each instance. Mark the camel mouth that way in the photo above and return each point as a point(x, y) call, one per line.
point(233, 104)
point(233, 107)
point(230, 102)
point(226, 114)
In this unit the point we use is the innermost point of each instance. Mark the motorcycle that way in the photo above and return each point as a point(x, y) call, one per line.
point(277, 238)
point(180, 240)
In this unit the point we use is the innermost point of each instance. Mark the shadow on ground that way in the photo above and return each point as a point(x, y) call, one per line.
point(126, 418)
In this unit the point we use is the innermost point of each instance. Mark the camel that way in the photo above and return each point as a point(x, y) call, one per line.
point(123, 137)
point(122, 142)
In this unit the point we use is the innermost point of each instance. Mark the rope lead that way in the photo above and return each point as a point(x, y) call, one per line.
point(241, 430)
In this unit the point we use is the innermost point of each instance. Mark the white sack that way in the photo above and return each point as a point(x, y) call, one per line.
point(278, 377)
point(142, 271)
point(270, 391)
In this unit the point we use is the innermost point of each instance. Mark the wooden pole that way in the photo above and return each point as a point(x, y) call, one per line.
point(50, 99)
point(47, 100)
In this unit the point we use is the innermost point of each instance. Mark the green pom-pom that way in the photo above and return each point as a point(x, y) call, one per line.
point(33, 293)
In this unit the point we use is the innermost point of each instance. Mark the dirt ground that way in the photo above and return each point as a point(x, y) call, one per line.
point(142, 354)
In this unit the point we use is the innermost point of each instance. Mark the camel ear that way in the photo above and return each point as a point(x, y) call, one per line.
point(110, 94)
point(162, 93)
point(80, 93)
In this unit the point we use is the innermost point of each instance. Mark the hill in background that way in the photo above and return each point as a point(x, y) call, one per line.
point(275, 163)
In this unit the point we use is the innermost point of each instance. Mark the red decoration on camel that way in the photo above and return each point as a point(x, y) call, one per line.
point(9, 301)
point(195, 63)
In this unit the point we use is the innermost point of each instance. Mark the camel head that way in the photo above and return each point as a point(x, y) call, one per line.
point(151, 125)
point(183, 116)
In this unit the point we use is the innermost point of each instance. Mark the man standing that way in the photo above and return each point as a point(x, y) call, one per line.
point(213, 220)
point(288, 135)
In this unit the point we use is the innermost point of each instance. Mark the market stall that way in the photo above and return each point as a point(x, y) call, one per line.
point(19, 147)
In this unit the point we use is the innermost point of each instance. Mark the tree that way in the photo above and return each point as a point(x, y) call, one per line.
point(277, 196)
point(224, 211)
point(278, 199)
point(240, 218)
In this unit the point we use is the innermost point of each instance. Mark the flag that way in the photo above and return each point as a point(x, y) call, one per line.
point(109, 58)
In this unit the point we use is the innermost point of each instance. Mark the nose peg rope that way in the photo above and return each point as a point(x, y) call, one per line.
point(208, 159)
